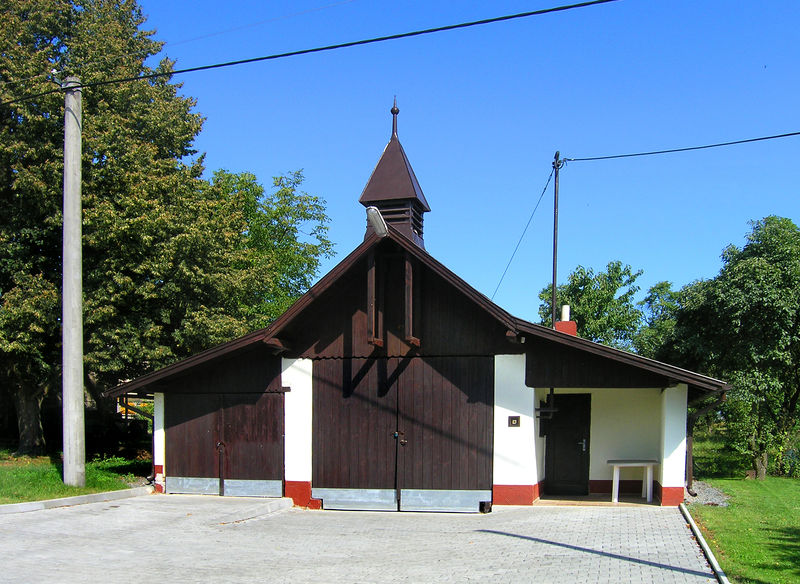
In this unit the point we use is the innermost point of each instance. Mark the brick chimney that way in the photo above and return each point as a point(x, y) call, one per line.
point(565, 325)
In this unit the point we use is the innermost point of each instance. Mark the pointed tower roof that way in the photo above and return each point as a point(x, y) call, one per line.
point(393, 178)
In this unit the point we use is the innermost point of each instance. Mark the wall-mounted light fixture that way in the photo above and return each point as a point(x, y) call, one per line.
point(378, 223)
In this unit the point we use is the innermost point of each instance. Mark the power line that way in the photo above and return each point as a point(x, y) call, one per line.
point(686, 149)
point(524, 231)
point(632, 155)
point(258, 23)
point(111, 58)
point(108, 58)
point(327, 47)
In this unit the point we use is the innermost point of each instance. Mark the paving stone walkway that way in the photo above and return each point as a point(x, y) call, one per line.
point(184, 538)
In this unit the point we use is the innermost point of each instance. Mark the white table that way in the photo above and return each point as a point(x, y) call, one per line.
point(647, 478)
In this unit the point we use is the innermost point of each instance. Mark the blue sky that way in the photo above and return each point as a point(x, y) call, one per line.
point(483, 110)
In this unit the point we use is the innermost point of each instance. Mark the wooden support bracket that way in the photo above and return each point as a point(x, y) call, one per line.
point(277, 345)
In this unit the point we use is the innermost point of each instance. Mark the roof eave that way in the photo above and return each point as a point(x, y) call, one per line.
point(169, 371)
point(677, 374)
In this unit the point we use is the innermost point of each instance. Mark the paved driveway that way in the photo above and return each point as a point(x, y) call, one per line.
point(184, 538)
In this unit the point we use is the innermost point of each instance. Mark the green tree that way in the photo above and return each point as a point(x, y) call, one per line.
point(602, 304)
point(658, 313)
point(32, 41)
point(28, 324)
point(744, 326)
point(173, 263)
point(284, 237)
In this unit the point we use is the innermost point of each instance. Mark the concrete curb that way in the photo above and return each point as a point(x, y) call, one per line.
point(712, 561)
point(69, 501)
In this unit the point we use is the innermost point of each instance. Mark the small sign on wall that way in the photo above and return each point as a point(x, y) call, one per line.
point(513, 421)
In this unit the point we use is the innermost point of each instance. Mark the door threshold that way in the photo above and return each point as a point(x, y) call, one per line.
point(594, 500)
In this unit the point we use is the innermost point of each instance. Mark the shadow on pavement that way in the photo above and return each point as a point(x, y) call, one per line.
point(599, 553)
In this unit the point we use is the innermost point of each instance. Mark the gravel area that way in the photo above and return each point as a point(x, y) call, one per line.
point(706, 495)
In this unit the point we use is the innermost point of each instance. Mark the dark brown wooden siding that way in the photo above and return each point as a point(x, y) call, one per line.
point(446, 322)
point(252, 371)
point(250, 425)
point(237, 401)
point(446, 416)
point(252, 430)
point(354, 417)
point(192, 433)
point(441, 409)
point(552, 365)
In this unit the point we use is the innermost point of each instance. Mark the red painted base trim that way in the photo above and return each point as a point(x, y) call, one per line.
point(669, 496)
point(300, 493)
point(515, 494)
point(158, 473)
point(625, 486)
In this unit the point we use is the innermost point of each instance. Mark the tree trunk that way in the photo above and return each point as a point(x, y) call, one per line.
point(690, 457)
point(29, 421)
point(105, 437)
point(760, 465)
point(691, 422)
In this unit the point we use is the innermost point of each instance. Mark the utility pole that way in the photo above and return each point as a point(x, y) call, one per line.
point(72, 292)
point(557, 164)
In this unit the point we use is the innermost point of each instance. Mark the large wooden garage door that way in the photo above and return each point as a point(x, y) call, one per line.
point(227, 444)
point(408, 434)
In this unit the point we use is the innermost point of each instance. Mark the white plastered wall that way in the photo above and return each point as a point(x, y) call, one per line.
point(297, 375)
point(673, 436)
point(625, 423)
point(515, 455)
point(159, 436)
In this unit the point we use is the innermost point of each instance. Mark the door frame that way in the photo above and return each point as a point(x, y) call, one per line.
point(568, 446)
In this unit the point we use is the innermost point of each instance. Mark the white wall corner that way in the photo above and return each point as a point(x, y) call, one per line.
point(297, 375)
point(514, 446)
point(159, 435)
point(673, 436)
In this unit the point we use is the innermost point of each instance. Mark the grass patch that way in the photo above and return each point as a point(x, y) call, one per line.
point(757, 538)
point(34, 479)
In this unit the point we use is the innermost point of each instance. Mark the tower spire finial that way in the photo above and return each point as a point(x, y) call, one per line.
point(394, 111)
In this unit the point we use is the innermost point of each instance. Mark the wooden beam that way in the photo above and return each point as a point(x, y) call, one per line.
point(278, 345)
point(374, 332)
point(409, 302)
point(136, 410)
point(371, 296)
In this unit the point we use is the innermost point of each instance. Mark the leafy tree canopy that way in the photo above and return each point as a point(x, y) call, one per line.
point(744, 326)
point(172, 263)
point(602, 304)
point(658, 319)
